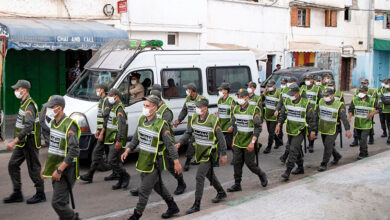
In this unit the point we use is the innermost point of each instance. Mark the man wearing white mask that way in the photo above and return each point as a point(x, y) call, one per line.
point(270, 100)
point(208, 140)
point(189, 109)
point(325, 81)
point(137, 91)
point(27, 140)
point(363, 108)
point(247, 122)
point(318, 82)
point(153, 137)
point(330, 114)
point(116, 136)
point(253, 98)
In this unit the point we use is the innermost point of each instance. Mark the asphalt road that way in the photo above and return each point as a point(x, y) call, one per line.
point(98, 201)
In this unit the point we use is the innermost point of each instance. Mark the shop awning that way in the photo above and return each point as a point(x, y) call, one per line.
point(382, 44)
point(311, 47)
point(43, 34)
point(259, 55)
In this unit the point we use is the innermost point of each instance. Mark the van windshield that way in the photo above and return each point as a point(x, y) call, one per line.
point(85, 87)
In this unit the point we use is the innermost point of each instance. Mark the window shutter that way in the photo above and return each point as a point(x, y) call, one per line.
point(327, 18)
point(334, 19)
point(294, 16)
point(307, 17)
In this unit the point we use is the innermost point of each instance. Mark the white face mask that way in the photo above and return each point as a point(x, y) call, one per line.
point(50, 113)
point(383, 85)
point(292, 98)
point(241, 101)
point(387, 86)
point(361, 95)
point(327, 99)
point(111, 100)
point(308, 83)
point(98, 94)
point(289, 84)
point(318, 83)
point(282, 86)
point(198, 111)
point(250, 90)
point(146, 112)
point(271, 89)
point(18, 94)
point(133, 82)
point(188, 93)
point(220, 94)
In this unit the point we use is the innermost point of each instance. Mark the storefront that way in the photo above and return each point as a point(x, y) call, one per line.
point(381, 61)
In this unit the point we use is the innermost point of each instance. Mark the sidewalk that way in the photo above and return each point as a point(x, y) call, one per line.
point(360, 190)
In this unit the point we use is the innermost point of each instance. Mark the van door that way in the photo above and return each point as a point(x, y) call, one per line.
point(175, 71)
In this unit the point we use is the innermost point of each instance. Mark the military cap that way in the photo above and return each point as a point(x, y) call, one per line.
point(292, 79)
point(102, 86)
point(55, 100)
point(153, 99)
point(224, 86)
point(309, 77)
point(22, 83)
point(284, 80)
point(364, 81)
point(328, 91)
point(292, 89)
point(363, 88)
point(114, 91)
point(242, 92)
point(317, 78)
point(271, 82)
point(191, 86)
point(156, 93)
point(202, 102)
point(384, 80)
point(331, 82)
point(155, 87)
point(252, 84)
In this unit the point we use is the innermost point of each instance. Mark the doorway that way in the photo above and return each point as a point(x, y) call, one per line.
point(269, 64)
point(345, 76)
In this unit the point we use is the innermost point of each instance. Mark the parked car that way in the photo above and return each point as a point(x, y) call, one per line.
point(116, 61)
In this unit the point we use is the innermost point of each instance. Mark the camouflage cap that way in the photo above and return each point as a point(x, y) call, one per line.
point(153, 99)
point(191, 86)
point(242, 92)
point(364, 81)
point(55, 100)
point(114, 91)
point(202, 102)
point(328, 91)
point(309, 77)
point(22, 83)
point(363, 88)
point(317, 78)
point(252, 84)
point(271, 82)
point(224, 86)
point(292, 89)
point(292, 79)
point(156, 93)
point(331, 82)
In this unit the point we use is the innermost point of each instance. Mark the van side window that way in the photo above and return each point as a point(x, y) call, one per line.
point(236, 76)
point(173, 80)
point(134, 93)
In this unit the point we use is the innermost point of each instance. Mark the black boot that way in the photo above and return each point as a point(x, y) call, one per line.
point(172, 209)
point(76, 216)
point(125, 180)
point(322, 167)
point(298, 170)
point(134, 192)
point(181, 186)
point(118, 185)
point(371, 139)
point(310, 149)
point(283, 158)
point(263, 178)
point(354, 143)
point(384, 134)
point(336, 160)
point(37, 198)
point(195, 207)
point(236, 187)
point(286, 174)
point(112, 176)
point(87, 177)
point(16, 196)
point(135, 216)
point(187, 164)
point(267, 149)
point(220, 196)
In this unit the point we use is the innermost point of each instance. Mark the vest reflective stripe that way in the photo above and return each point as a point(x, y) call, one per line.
point(245, 125)
point(271, 101)
point(100, 119)
point(328, 116)
point(362, 109)
point(149, 141)
point(254, 100)
point(110, 123)
point(19, 125)
point(296, 116)
point(222, 111)
point(112, 126)
point(225, 113)
point(311, 94)
point(191, 107)
point(205, 139)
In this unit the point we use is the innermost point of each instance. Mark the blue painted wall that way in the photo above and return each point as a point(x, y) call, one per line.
point(381, 64)
point(361, 69)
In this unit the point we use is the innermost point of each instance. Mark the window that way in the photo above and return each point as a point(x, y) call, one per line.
point(347, 14)
point(173, 80)
point(236, 76)
point(172, 38)
point(300, 17)
point(386, 21)
point(146, 80)
point(330, 18)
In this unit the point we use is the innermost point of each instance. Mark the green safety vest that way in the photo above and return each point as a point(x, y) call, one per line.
point(58, 147)
point(205, 138)
point(159, 114)
point(271, 101)
point(328, 116)
point(245, 125)
point(112, 127)
point(100, 118)
point(254, 100)
point(296, 116)
point(225, 113)
point(19, 126)
point(284, 92)
point(311, 94)
point(149, 142)
point(338, 95)
point(362, 109)
point(386, 94)
point(191, 107)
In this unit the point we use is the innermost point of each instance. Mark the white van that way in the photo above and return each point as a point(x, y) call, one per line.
point(116, 61)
